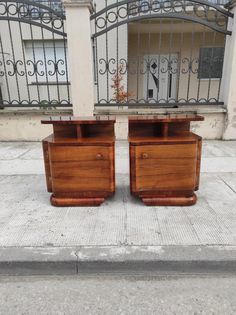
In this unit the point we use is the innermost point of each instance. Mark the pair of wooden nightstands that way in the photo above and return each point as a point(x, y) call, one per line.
point(164, 160)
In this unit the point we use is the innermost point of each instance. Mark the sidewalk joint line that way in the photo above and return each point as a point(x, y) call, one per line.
point(192, 226)
point(226, 183)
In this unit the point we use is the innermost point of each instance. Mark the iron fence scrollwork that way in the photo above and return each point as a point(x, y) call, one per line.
point(33, 55)
point(158, 53)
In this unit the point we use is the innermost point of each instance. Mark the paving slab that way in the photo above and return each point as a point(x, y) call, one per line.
point(34, 236)
point(28, 219)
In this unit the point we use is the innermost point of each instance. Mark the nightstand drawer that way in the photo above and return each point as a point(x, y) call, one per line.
point(176, 151)
point(70, 153)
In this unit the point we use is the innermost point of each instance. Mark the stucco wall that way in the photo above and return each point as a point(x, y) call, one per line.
point(26, 125)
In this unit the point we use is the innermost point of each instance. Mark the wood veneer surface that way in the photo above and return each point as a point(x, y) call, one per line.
point(79, 120)
point(165, 159)
point(79, 160)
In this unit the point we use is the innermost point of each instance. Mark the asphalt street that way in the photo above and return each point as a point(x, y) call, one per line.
point(120, 294)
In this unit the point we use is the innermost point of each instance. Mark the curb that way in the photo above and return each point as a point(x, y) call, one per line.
point(127, 260)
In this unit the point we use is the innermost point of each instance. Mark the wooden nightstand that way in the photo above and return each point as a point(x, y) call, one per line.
point(165, 159)
point(79, 160)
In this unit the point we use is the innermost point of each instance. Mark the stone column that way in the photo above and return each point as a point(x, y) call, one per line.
point(228, 91)
point(80, 55)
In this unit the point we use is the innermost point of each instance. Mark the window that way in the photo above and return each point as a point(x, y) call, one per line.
point(211, 62)
point(49, 59)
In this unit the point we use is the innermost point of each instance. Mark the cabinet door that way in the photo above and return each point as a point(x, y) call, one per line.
point(166, 167)
point(80, 168)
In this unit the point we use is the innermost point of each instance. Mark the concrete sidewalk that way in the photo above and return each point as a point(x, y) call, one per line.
point(34, 236)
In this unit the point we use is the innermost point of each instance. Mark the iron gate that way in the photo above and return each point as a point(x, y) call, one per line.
point(158, 52)
point(33, 55)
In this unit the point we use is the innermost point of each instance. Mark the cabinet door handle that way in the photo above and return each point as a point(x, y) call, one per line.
point(99, 156)
point(144, 155)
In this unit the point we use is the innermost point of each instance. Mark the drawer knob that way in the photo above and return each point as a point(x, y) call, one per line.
point(99, 156)
point(144, 155)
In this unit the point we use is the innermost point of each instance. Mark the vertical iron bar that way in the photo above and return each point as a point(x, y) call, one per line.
point(56, 68)
point(107, 64)
point(24, 59)
point(13, 56)
point(5, 69)
point(199, 79)
point(219, 86)
point(149, 62)
point(117, 51)
point(96, 60)
point(127, 50)
point(138, 62)
point(190, 63)
point(127, 37)
point(169, 68)
point(46, 66)
point(180, 59)
point(66, 65)
point(159, 59)
point(35, 66)
point(210, 72)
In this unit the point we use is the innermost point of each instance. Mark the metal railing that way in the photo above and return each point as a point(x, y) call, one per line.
point(149, 53)
point(33, 55)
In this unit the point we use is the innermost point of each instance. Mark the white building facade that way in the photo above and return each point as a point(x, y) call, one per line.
point(118, 58)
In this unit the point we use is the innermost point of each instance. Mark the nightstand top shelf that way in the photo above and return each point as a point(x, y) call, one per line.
point(72, 120)
point(161, 126)
point(81, 129)
point(169, 118)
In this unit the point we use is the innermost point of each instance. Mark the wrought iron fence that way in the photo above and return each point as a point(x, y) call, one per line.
point(154, 53)
point(33, 55)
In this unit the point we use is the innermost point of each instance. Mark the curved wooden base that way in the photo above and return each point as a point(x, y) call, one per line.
point(73, 202)
point(169, 201)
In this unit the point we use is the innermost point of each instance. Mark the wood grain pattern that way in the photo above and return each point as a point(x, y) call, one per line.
point(170, 201)
point(64, 131)
point(67, 153)
point(76, 202)
point(80, 161)
point(164, 168)
point(171, 181)
point(47, 164)
point(76, 184)
point(199, 154)
point(178, 151)
point(73, 120)
point(168, 118)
